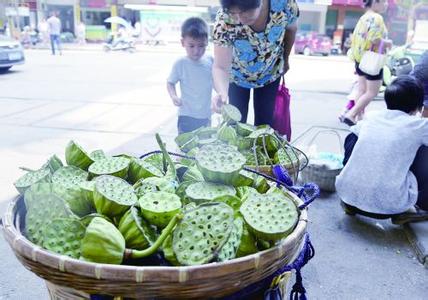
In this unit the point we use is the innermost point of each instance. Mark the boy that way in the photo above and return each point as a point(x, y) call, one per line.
point(194, 74)
point(377, 180)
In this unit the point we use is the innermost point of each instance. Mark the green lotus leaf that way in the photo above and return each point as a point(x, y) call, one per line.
point(227, 134)
point(187, 141)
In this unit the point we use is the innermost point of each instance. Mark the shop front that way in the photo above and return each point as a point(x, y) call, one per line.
point(313, 15)
point(93, 14)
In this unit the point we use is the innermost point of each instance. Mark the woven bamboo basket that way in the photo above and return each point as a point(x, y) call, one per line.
point(68, 278)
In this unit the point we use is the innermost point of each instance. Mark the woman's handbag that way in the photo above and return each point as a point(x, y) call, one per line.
point(281, 114)
point(373, 62)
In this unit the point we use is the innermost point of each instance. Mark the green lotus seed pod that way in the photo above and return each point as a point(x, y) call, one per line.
point(53, 163)
point(244, 191)
point(244, 129)
point(97, 155)
point(160, 184)
point(270, 216)
point(244, 178)
point(155, 160)
point(69, 177)
point(230, 114)
point(286, 156)
point(159, 208)
point(114, 166)
point(230, 200)
point(113, 196)
point(86, 220)
point(76, 156)
point(193, 174)
point(248, 243)
point(200, 192)
point(103, 243)
point(32, 177)
point(63, 236)
point(206, 132)
point(219, 163)
point(187, 141)
point(244, 144)
point(227, 134)
point(230, 248)
point(137, 232)
point(139, 168)
point(202, 232)
point(261, 185)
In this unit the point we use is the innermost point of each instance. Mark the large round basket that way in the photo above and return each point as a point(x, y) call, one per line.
point(68, 278)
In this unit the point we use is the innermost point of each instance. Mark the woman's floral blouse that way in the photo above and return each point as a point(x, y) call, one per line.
point(370, 27)
point(258, 57)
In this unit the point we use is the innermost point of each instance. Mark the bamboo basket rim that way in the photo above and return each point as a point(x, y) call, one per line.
point(181, 274)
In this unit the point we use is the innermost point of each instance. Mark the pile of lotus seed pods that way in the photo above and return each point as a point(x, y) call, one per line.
point(116, 209)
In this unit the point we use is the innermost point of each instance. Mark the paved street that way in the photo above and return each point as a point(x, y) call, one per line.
point(117, 101)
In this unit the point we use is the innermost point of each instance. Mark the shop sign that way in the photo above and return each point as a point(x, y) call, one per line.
point(22, 11)
point(348, 2)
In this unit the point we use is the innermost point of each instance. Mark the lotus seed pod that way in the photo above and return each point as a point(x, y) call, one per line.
point(202, 232)
point(219, 163)
point(113, 196)
point(53, 163)
point(155, 160)
point(159, 208)
point(200, 192)
point(232, 201)
point(103, 243)
point(87, 188)
point(145, 188)
point(114, 166)
point(43, 205)
point(63, 236)
point(227, 134)
point(139, 168)
point(193, 174)
point(244, 129)
point(244, 178)
point(137, 232)
point(248, 244)
point(261, 185)
point(271, 216)
point(160, 184)
point(32, 177)
point(181, 191)
point(207, 141)
point(69, 177)
point(75, 199)
point(251, 158)
point(230, 114)
point(187, 141)
point(76, 156)
point(206, 132)
point(262, 131)
point(86, 220)
point(230, 248)
point(168, 251)
point(244, 144)
point(244, 191)
point(97, 155)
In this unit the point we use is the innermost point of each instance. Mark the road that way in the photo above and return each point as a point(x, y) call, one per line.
point(117, 101)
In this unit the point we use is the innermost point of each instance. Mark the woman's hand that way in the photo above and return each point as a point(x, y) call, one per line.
point(177, 101)
point(217, 102)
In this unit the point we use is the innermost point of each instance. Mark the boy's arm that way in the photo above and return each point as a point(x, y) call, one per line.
point(173, 94)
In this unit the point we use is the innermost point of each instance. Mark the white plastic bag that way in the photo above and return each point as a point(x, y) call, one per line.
point(372, 62)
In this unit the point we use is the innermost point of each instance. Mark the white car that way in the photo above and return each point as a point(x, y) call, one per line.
point(11, 53)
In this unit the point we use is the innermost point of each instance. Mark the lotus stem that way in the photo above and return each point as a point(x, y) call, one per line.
point(153, 248)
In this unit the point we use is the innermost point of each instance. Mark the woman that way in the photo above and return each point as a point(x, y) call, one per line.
point(370, 33)
point(252, 42)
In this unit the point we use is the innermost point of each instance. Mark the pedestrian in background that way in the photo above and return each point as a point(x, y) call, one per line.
point(193, 72)
point(370, 33)
point(54, 24)
point(43, 28)
point(81, 33)
point(252, 43)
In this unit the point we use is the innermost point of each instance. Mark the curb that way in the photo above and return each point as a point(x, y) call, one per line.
point(417, 234)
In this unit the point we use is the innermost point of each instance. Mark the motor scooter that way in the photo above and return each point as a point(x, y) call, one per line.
point(127, 45)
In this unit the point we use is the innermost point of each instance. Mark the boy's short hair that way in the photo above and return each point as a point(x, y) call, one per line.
point(405, 93)
point(194, 27)
point(240, 4)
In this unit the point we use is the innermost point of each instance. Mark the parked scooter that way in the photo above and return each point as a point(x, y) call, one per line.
point(119, 44)
point(397, 63)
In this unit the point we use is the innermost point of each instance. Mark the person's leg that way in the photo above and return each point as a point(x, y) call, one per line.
point(52, 38)
point(239, 97)
point(188, 124)
point(420, 170)
point(58, 43)
point(372, 90)
point(264, 103)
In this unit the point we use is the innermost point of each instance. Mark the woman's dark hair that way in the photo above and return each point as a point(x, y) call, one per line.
point(240, 4)
point(195, 28)
point(369, 3)
point(405, 93)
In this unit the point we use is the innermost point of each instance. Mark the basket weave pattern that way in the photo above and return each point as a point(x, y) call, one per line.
point(73, 279)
